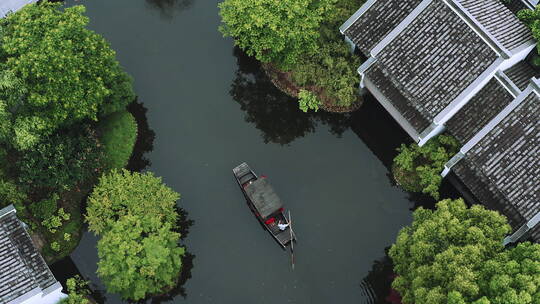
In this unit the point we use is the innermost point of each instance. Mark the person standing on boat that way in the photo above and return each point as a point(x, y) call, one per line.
point(282, 226)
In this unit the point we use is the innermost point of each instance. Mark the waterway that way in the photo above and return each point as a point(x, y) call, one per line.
point(211, 108)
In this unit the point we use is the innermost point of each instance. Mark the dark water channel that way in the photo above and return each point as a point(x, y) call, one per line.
point(211, 108)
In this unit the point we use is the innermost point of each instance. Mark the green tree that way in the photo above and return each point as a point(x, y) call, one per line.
point(118, 135)
point(119, 193)
point(139, 256)
point(57, 73)
point(418, 169)
point(61, 161)
point(277, 31)
point(439, 258)
point(513, 276)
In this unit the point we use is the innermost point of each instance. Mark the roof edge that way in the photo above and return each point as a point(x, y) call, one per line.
point(361, 11)
point(7, 210)
point(478, 28)
point(400, 27)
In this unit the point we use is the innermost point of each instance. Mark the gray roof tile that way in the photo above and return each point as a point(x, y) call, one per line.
point(435, 58)
point(22, 268)
point(521, 74)
point(381, 18)
point(483, 107)
point(499, 21)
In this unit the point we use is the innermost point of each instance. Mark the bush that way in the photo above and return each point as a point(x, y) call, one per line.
point(308, 101)
point(418, 168)
point(78, 291)
point(62, 161)
point(118, 135)
point(45, 209)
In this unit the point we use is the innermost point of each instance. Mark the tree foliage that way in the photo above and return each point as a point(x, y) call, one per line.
point(531, 17)
point(119, 193)
point(56, 72)
point(78, 291)
point(418, 169)
point(61, 160)
point(139, 255)
point(278, 31)
point(308, 101)
point(455, 255)
point(136, 217)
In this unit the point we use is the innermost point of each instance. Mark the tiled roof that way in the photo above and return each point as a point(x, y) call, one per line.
point(7, 6)
point(22, 269)
point(506, 160)
point(385, 86)
point(435, 58)
point(487, 103)
point(498, 21)
point(381, 18)
point(521, 74)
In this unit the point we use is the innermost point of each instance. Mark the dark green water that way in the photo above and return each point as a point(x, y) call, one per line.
point(344, 208)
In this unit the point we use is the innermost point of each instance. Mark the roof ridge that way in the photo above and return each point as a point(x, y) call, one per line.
point(478, 28)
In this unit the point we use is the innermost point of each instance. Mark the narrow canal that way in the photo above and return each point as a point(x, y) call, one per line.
point(211, 108)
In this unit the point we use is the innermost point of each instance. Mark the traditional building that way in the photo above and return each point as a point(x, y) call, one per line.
point(25, 278)
point(461, 66)
point(9, 6)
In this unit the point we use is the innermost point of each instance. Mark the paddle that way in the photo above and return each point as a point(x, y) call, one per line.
point(292, 241)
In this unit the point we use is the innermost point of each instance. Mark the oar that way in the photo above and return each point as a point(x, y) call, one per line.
point(292, 241)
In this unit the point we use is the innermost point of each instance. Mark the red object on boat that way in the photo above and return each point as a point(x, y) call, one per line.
point(263, 176)
point(280, 209)
point(270, 221)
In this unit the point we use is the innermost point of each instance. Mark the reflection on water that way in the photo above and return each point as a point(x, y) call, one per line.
point(376, 286)
point(169, 8)
point(145, 138)
point(274, 113)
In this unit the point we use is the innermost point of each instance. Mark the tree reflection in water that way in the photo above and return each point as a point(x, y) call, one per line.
point(376, 286)
point(145, 138)
point(274, 113)
point(168, 8)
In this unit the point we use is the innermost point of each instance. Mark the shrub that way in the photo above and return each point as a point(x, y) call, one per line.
point(61, 161)
point(418, 168)
point(45, 209)
point(78, 291)
point(308, 101)
point(118, 135)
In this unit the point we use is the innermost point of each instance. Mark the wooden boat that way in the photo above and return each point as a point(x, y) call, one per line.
point(264, 202)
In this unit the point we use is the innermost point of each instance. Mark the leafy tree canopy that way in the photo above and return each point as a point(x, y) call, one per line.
point(449, 256)
point(119, 132)
point(139, 255)
point(277, 31)
point(119, 193)
point(418, 169)
point(55, 72)
point(531, 17)
point(78, 291)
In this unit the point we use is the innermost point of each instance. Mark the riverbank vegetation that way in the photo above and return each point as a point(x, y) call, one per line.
point(454, 254)
point(531, 18)
point(135, 216)
point(300, 46)
point(418, 169)
point(58, 81)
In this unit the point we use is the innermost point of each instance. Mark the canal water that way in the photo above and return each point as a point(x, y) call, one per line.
point(211, 108)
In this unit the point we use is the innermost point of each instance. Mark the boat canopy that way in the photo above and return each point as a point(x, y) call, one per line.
point(263, 196)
